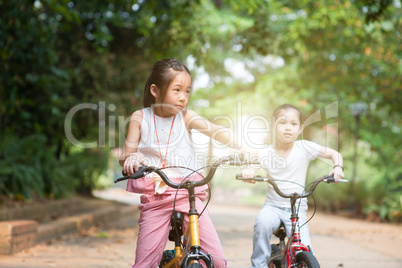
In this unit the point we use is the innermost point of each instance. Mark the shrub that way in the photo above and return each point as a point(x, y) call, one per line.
point(28, 165)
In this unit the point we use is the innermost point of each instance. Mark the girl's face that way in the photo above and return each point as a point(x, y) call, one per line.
point(176, 97)
point(288, 126)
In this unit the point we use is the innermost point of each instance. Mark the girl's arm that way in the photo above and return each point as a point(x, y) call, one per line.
point(130, 159)
point(221, 134)
point(336, 158)
point(218, 133)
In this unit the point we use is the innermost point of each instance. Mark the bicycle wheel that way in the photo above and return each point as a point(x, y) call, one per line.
point(306, 260)
point(276, 263)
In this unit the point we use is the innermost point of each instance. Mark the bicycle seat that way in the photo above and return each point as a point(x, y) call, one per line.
point(281, 231)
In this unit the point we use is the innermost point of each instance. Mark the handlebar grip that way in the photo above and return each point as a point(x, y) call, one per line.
point(243, 163)
point(139, 174)
point(241, 178)
point(116, 180)
point(255, 178)
point(330, 178)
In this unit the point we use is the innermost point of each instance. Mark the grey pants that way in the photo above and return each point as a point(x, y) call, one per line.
point(268, 220)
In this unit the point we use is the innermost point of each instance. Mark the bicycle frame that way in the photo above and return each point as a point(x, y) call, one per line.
point(294, 243)
point(191, 240)
point(287, 253)
point(189, 251)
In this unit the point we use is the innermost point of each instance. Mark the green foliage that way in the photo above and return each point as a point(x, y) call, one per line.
point(28, 166)
point(389, 209)
point(18, 164)
point(56, 55)
point(87, 166)
point(384, 198)
point(333, 51)
point(52, 58)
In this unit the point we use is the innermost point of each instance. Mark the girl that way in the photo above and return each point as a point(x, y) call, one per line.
point(288, 160)
point(160, 135)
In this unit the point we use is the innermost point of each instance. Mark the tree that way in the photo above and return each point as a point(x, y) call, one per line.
point(61, 54)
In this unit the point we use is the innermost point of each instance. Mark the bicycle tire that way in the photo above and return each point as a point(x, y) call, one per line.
point(195, 265)
point(276, 263)
point(306, 260)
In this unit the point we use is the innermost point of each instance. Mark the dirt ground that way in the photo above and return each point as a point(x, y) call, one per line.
point(337, 242)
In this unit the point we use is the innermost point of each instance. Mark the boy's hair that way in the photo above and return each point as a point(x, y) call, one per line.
point(162, 74)
point(286, 106)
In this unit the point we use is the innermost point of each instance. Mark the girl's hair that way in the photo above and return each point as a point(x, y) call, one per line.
point(282, 107)
point(162, 74)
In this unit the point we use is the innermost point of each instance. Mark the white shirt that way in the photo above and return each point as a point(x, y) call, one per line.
point(180, 150)
point(290, 172)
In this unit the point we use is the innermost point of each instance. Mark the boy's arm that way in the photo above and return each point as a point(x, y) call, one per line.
point(336, 158)
point(250, 172)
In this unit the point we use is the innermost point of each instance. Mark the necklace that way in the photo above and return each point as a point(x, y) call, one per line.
point(157, 138)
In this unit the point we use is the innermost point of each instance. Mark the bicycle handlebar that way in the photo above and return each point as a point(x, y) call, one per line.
point(145, 170)
point(327, 179)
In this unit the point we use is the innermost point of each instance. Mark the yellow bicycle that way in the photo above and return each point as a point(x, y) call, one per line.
point(187, 252)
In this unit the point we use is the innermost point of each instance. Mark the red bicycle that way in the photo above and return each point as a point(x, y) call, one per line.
point(292, 253)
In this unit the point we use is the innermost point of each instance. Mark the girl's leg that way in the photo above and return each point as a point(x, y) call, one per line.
point(152, 237)
point(209, 238)
point(266, 223)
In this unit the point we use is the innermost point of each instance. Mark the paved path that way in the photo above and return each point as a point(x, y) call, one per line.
point(338, 242)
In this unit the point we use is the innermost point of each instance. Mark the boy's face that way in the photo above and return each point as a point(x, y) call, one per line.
point(288, 126)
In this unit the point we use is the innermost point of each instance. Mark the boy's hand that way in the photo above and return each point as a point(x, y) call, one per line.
point(248, 173)
point(337, 172)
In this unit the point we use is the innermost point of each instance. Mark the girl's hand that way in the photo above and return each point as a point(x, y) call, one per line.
point(248, 173)
point(133, 163)
point(337, 172)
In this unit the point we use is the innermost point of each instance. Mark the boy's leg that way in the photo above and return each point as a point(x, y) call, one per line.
point(304, 230)
point(266, 223)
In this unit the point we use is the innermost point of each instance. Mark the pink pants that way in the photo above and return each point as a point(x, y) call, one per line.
point(154, 223)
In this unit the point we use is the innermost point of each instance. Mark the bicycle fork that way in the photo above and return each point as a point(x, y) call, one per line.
point(189, 251)
point(192, 231)
point(294, 244)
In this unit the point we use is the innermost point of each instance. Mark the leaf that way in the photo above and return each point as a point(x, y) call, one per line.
point(387, 26)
